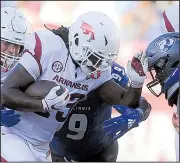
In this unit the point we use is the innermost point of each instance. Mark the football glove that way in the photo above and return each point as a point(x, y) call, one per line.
point(129, 119)
point(9, 118)
point(137, 69)
point(56, 99)
point(118, 126)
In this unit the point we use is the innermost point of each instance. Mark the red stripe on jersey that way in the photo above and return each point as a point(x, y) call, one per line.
point(168, 24)
point(38, 51)
point(3, 160)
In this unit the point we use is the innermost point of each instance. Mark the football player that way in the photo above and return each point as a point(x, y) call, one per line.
point(163, 54)
point(81, 62)
point(82, 138)
point(170, 23)
point(98, 146)
point(14, 30)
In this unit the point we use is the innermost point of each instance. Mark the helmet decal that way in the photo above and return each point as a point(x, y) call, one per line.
point(165, 44)
point(88, 30)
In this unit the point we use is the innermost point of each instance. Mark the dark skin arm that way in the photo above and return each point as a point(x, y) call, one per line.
point(113, 94)
point(12, 92)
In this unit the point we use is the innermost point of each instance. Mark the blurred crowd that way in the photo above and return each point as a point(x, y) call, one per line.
point(139, 23)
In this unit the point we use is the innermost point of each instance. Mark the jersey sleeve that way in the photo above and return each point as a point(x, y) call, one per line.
point(32, 56)
point(119, 75)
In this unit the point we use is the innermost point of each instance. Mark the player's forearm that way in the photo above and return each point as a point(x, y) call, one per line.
point(113, 94)
point(17, 100)
point(131, 97)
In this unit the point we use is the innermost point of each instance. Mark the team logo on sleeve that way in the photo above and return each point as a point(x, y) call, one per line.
point(57, 66)
point(165, 44)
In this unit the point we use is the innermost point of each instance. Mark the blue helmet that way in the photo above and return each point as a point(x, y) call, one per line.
point(163, 59)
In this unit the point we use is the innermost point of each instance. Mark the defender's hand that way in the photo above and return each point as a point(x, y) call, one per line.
point(56, 99)
point(137, 69)
point(118, 126)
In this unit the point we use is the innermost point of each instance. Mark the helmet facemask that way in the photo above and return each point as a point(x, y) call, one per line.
point(91, 43)
point(93, 61)
point(9, 61)
point(158, 77)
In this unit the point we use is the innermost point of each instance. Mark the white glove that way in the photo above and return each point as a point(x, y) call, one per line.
point(55, 100)
point(137, 69)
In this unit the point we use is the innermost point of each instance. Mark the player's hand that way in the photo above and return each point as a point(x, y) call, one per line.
point(129, 119)
point(137, 69)
point(118, 126)
point(56, 99)
point(9, 118)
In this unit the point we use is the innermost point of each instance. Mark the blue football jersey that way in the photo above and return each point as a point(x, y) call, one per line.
point(82, 134)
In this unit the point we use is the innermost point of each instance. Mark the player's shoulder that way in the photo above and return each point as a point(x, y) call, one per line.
point(114, 64)
point(115, 67)
point(46, 43)
point(50, 41)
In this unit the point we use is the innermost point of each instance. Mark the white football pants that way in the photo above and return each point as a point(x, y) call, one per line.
point(15, 148)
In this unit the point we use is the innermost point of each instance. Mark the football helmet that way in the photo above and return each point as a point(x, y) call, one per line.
point(13, 30)
point(94, 42)
point(170, 19)
point(163, 59)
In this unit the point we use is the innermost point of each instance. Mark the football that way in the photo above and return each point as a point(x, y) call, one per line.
point(41, 88)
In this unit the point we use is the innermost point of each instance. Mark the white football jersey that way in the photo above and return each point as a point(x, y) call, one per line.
point(3, 76)
point(46, 58)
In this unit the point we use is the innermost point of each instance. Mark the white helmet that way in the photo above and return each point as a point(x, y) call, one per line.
point(14, 30)
point(170, 20)
point(94, 41)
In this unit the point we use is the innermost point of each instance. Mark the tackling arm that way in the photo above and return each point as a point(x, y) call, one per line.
point(113, 94)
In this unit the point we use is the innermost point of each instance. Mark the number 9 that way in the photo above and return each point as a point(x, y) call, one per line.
point(82, 119)
point(116, 76)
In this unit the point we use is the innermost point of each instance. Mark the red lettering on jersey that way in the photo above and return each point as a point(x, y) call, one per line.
point(69, 83)
point(78, 85)
point(66, 82)
point(87, 29)
point(56, 78)
point(86, 87)
point(61, 80)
